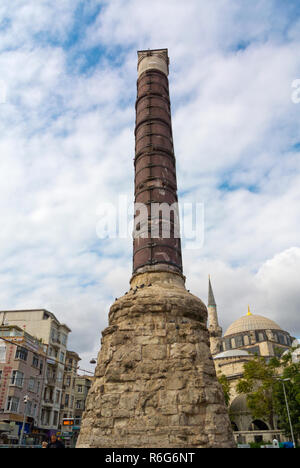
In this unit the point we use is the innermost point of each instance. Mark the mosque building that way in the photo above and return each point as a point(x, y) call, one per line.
point(248, 336)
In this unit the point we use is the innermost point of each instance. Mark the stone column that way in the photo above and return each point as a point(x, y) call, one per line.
point(155, 382)
point(157, 236)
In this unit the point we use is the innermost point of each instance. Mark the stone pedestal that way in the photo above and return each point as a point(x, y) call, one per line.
point(155, 382)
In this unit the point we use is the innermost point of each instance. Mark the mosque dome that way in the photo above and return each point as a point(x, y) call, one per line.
point(239, 404)
point(251, 322)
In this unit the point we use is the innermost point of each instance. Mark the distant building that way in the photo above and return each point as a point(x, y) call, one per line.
point(75, 391)
point(22, 374)
point(44, 326)
point(69, 389)
point(68, 396)
point(82, 386)
point(248, 336)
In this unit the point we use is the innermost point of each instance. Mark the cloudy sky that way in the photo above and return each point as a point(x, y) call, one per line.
point(67, 95)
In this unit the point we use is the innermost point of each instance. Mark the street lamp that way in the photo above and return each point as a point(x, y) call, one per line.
point(287, 408)
point(25, 399)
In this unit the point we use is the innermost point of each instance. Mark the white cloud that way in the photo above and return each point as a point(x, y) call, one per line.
point(272, 291)
point(67, 146)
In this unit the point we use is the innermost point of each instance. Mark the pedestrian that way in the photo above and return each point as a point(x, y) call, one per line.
point(44, 444)
point(275, 443)
point(55, 443)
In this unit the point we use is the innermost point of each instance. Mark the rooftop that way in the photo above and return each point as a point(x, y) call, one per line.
point(232, 353)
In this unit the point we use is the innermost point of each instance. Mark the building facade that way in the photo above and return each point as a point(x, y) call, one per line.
point(82, 386)
point(23, 362)
point(44, 326)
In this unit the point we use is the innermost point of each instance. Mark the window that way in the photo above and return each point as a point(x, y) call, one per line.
point(0, 375)
point(79, 388)
point(239, 341)
point(227, 344)
point(17, 378)
point(35, 361)
point(68, 383)
point(67, 399)
point(254, 350)
point(78, 404)
point(261, 336)
point(21, 353)
point(57, 396)
point(53, 334)
point(2, 353)
point(281, 338)
point(29, 408)
point(12, 404)
point(246, 340)
point(64, 339)
point(55, 418)
point(31, 384)
point(62, 357)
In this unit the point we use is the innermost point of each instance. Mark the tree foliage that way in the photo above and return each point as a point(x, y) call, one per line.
point(258, 383)
point(225, 386)
point(290, 371)
point(262, 384)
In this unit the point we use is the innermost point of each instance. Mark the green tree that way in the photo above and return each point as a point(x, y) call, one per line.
point(225, 386)
point(258, 384)
point(290, 371)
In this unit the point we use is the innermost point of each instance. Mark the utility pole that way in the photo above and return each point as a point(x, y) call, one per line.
point(24, 419)
point(288, 410)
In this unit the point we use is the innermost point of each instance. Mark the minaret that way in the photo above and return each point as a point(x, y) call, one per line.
point(155, 383)
point(215, 331)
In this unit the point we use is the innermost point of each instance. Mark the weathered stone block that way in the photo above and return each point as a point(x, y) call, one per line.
point(155, 351)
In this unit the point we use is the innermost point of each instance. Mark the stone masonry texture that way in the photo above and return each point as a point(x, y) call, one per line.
point(155, 382)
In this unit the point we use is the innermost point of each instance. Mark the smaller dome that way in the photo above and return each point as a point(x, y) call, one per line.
point(251, 322)
point(232, 353)
point(239, 404)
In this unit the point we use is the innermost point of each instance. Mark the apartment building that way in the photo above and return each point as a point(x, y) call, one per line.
point(23, 361)
point(44, 326)
point(69, 389)
point(82, 386)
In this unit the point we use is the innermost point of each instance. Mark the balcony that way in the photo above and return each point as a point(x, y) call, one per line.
point(48, 402)
point(52, 361)
point(56, 342)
